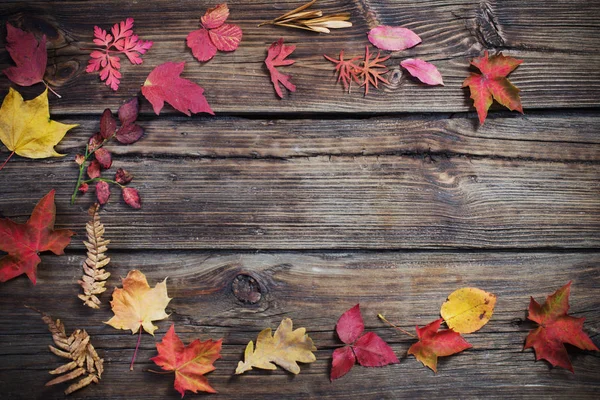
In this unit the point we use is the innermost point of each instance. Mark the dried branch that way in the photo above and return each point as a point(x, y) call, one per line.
point(311, 20)
point(94, 280)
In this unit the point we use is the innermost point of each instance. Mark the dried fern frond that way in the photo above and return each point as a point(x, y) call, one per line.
point(77, 348)
point(94, 280)
point(311, 20)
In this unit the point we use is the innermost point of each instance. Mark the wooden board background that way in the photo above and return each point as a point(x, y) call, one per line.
point(325, 199)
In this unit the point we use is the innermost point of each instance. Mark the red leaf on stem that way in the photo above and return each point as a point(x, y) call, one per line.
point(123, 177)
point(131, 197)
point(108, 124)
point(104, 158)
point(93, 169)
point(102, 192)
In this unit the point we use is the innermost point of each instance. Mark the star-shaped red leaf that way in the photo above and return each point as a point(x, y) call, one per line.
point(189, 363)
point(23, 242)
point(371, 71)
point(556, 328)
point(346, 70)
point(433, 344)
point(492, 83)
point(276, 57)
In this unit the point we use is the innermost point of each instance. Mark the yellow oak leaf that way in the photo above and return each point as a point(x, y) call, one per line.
point(468, 309)
point(26, 128)
point(137, 305)
point(285, 348)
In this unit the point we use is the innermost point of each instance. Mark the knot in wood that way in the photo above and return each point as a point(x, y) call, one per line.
point(246, 289)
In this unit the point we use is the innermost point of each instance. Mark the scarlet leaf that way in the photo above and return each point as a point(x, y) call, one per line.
point(346, 70)
point(165, 84)
point(433, 344)
point(215, 17)
point(373, 351)
point(29, 56)
point(556, 328)
point(371, 70)
point(227, 37)
point(102, 192)
point(424, 71)
point(123, 177)
point(394, 38)
point(214, 34)
point(104, 158)
point(189, 363)
point(492, 83)
point(350, 325)
point(108, 125)
point(23, 242)
point(131, 197)
point(202, 46)
point(276, 57)
point(343, 361)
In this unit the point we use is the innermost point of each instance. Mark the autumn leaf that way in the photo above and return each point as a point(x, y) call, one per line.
point(276, 57)
point(136, 305)
point(214, 34)
point(369, 349)
point(346, 70)
point(423, 71)
point(556, 327)
point(123, 41)
point(285, 348)
point(165, 84)
point(492, 83)
point(26, 128)
point(433, 344)
point(393, 38)
point(189, 363)
point(23, 242)
point(468, 309)
point(371, 70)
point(28, 54)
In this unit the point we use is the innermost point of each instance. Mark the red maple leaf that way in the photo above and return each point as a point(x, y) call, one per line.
point(369, 349)
point(433, 344)
point(371, 70)
point(214, 34)
point(189, 363)
point(29, 56)
point(346, 70)
point(165, 84)
point(23, 242)
point(492, 83)
point(276, 55)
point(123, 41)
point(556, 328)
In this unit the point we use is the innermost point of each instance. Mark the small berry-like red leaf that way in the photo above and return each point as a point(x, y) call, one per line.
point(276, 57)
point(83, 188)
point(131, 197)
point(373, 351)
point(128, 112)
point(102, 192)
point(123, 177)
point(93, 169)
point(343, 361)
point(215, 17)
point(350, 325)
point(104, 158)
point(108, 125)
point(29, 56)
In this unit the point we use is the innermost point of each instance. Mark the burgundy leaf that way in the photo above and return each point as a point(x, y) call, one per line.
point(128, 112)
point(104, 158)
point(93, 169)
point(102, 192)
point(123, 177)
point(95, 141)
point(132, 197)
point(129, 133)
point(108, 125)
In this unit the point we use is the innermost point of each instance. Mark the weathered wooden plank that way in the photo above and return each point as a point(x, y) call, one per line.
point(378, 202)
point(452, 34)
point(542, 136)
point(313, 289)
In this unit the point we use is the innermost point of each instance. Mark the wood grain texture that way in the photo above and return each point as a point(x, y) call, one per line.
point(560, 70)
point(313, 289)
point(389, 202)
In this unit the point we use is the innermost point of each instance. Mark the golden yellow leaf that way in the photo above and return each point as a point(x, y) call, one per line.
point(137, 305)
point(285, 348)
point(468, 309)
point(26, 128)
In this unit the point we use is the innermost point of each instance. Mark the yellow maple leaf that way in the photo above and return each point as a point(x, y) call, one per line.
point(26, 128)
point(285, 348)
point(137, 305)
point(468, 309)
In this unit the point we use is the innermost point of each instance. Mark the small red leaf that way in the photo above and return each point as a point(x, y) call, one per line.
point(102, 192)
point(123, 177)
point(343, 361)
point(129, 133)
point(83, 188)
point(94, 141)
point(202, 46)
point(104, 158)
point(128, 112)
point(350, 325)
point(276, 57)
point(227, 37)
point(93, 169)
point(131, 197)
point(29, 56)
point(394, 38)
point(373, 351)
point(215, 17)
point(165, 84)
point(423, 71)
point(108, 125)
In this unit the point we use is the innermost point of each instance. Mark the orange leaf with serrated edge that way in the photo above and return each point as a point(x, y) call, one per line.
point(556, 328)
point(492, 83)
point(189, 363)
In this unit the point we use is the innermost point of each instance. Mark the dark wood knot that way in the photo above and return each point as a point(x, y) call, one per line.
point(246, 289)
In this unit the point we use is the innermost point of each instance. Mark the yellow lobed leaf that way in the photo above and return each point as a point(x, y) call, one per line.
point(285, 348)
point(26, 127)
point(468, 309)
point(137, 305)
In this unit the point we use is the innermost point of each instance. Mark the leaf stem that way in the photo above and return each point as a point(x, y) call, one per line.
point(160, 372)
point(103, 180)
point(11, 154)
point(52, 90)
point(381, 317)
point(137, 346)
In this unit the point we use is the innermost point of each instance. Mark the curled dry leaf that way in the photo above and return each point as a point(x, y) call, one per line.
point(276, 57)
point(84, 361)
point(311, 20)
point(393, 38)
point(285, 348)
point(94, 280)
point(423, 71)
point(468, 309)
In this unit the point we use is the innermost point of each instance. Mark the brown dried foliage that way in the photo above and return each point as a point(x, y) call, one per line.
point(311, 20)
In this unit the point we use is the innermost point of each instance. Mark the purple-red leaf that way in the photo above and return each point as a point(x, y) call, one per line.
point(102, 192)
point(108, 125)
point(29, 56)
point(423, 71)
point(394, 38)
point(104, 158)
point(350, 325)
point(129, 133)
point(131, 197)
point(128, 112)
point(93, 169)
point(83, 188)
point(123, 177)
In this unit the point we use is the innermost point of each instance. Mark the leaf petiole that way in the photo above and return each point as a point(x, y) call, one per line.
point(381, 317)
point(137, 346)
point(9, 157)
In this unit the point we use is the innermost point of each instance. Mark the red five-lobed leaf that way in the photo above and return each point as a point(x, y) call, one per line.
point(189, 363)
point(214, 34)
point(23, 242)
point(369, 349)
point(29, 56)
point(556, 328)
point(276, 57)
point(433, 344)
point(165, 84)
point(492, 83)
